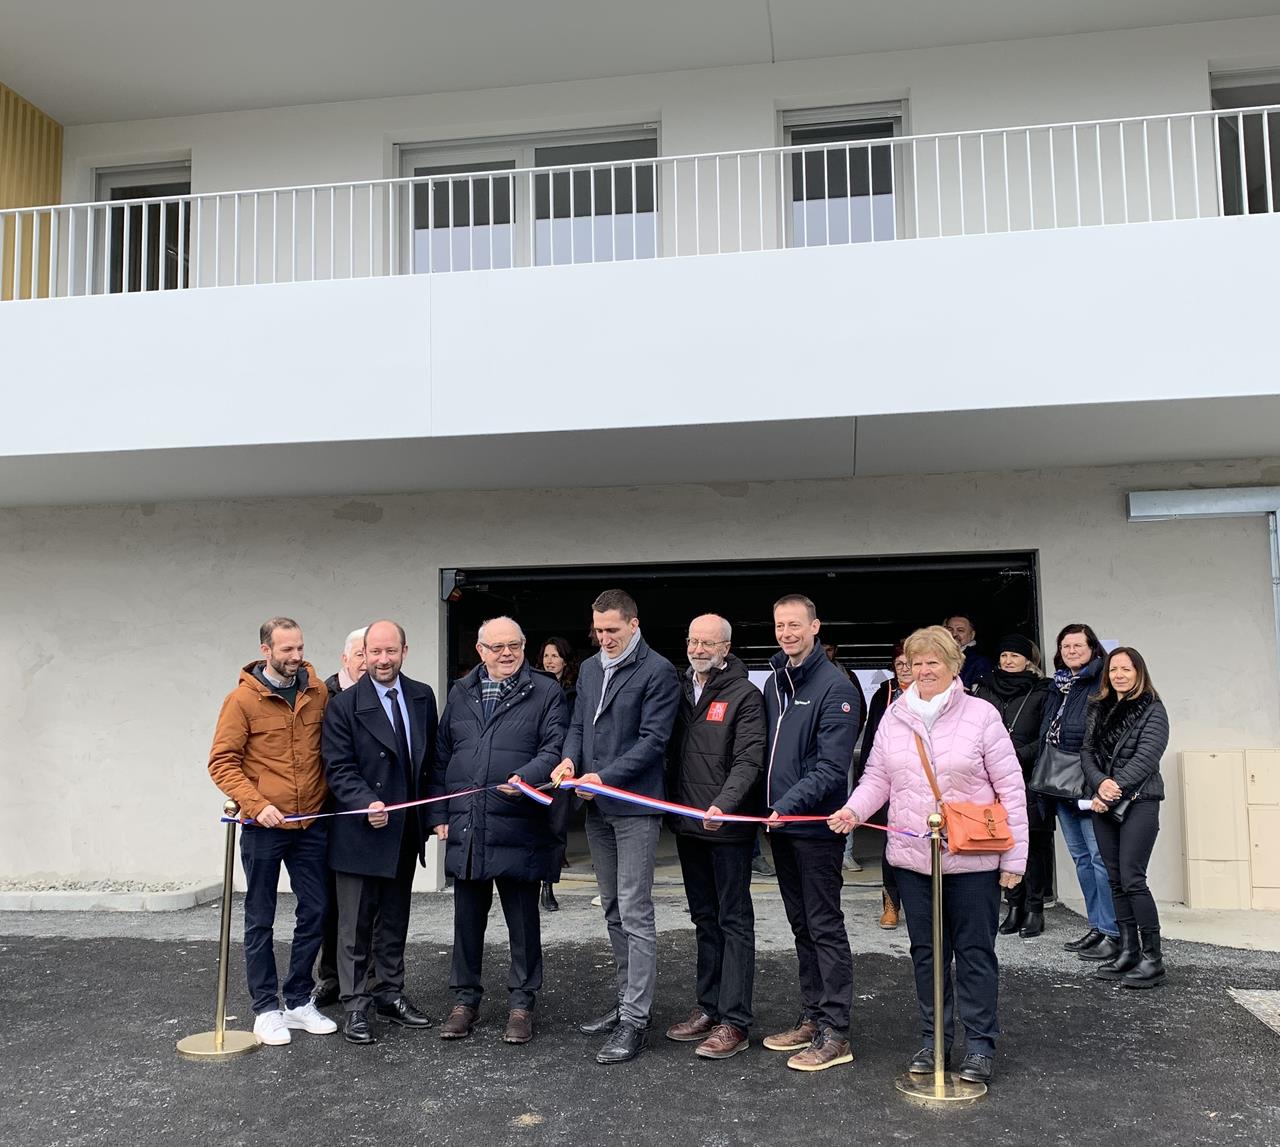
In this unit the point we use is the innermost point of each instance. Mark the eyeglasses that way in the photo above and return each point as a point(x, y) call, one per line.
point(700, 643)
point(498, 647)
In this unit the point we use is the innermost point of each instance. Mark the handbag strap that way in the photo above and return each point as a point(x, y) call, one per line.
point(928, 769)
point(1010, 725)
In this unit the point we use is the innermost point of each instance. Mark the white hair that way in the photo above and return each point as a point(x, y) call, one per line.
point(354, 638)
point(726, 630)
point(494, 620)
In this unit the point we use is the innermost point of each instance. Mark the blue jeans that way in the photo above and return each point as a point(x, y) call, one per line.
point(1091, 871)
point(304, 853)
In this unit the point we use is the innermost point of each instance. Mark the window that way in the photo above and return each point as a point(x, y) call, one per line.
point(842, 194)
point(146, 246)
point(1248, 142)
point(600, 206)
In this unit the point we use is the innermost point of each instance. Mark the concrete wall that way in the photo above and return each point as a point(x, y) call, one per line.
point(1055, 79)
point(122, 627)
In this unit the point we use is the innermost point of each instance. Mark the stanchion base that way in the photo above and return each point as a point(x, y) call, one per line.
point(201, 1047)
point(955, 1092)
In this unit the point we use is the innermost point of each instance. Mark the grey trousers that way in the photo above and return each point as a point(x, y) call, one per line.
point(623, 849)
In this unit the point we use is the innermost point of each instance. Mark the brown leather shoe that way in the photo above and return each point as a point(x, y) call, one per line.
point(825, 1051)
point(724, 1041)
point(793, 1039)
point(519, 1026)
point(460, 1022)
point(697, 1026)
point(889, 917)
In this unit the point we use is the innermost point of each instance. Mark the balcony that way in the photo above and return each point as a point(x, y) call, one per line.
point(1110, 304)
point(1053, 177)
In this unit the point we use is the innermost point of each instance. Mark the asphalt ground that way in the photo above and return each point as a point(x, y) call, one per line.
point(93, 1004)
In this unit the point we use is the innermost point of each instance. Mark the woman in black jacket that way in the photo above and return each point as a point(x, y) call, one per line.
point(556, 657)
point(1126, 734)
point(886, 695)
point(1017, 689)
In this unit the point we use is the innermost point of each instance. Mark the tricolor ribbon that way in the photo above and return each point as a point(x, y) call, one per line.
point(701, 814)
point(532, 793)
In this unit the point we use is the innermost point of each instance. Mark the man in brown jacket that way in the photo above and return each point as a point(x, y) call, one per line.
point(266, 757)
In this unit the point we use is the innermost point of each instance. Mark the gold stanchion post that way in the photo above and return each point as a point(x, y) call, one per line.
point(220, 1043)
point(942, 1087)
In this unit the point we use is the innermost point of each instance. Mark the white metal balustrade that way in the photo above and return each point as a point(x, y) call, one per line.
point(1156, 168)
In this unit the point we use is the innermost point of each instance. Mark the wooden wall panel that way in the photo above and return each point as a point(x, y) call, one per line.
point(30, 176)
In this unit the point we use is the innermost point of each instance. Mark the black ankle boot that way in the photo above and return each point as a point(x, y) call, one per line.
point(1032, 926)
point(1150, 970)
point(1124, 960)
point(549, 901)
point(1108, 948)
point(1013, 920)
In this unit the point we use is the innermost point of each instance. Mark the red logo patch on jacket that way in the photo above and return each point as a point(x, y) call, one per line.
point(716, 710)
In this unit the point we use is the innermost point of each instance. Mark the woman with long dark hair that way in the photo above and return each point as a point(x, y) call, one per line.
point(1126, 734)
point(1078, 659)
point(556, 657)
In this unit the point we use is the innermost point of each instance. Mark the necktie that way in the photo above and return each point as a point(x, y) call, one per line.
point(402, 736)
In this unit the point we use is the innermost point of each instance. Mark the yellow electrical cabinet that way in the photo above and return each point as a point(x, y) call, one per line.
point(1262, 780)
point(1215, 811)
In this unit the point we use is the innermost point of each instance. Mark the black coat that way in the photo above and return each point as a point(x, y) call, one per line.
point(976, 666)
point(1134, 762)
point(627, 744)
point(492, 834)
point(1074, 707)
point(813, 720)
point(716, 755)
point(1021, 699)
point(360, 763)
point(886, 693)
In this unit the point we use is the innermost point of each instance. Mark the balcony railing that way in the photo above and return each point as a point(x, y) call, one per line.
point(1054, 176)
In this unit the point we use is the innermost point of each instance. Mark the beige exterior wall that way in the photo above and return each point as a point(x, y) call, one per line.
point(122, 627)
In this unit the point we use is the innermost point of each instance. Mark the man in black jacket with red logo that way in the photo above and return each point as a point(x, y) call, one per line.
point(716, 763)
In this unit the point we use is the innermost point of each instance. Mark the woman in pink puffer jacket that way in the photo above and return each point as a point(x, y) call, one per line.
point(974, 760)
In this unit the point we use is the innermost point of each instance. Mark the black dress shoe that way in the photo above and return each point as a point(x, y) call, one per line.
point(602, 1024)
point(1013, 920)
point(627, 1042)
point(401, 1011)
point(922, 1062)
point(549, 901)
point(1032, 926)
point(1108, 948)
point(1088, 940)
point(357, 1029)
point(976, 1068)
point(326, 996)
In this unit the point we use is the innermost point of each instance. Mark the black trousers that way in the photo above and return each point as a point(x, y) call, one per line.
point(717, 884)
point(970, 915)
point(373, 920)
point(1037, 886)
point(888, 874)
point(810, 880)
point(1126, 851)
point(472, 900)
point(327, 968)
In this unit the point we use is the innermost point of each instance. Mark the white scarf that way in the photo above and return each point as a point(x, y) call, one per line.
point(609, 667)
point(928, 711)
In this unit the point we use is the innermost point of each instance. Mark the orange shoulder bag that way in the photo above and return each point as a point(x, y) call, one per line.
point(970, 827)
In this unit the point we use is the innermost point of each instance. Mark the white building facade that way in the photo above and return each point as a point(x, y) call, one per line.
point(326, 312)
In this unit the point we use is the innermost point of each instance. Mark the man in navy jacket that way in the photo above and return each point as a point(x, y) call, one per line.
point(378, 744)
point(622, 719)
point(503, 720)
point(813, 717)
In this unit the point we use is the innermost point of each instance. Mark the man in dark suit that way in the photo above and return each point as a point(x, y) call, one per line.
point(622, 719)
point(378, 746)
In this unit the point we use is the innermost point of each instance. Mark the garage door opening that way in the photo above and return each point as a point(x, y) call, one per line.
point(865, 605)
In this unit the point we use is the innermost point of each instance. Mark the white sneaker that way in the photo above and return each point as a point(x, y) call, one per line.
point(851, 864)
point(595, 902)
point(308, 1019)
point(270, 1028)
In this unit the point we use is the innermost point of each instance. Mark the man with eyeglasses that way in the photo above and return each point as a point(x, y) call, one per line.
point(622, 719)
point(504, 720)
point(716, 763)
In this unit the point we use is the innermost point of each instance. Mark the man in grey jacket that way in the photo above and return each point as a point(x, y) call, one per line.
point(622, 719)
